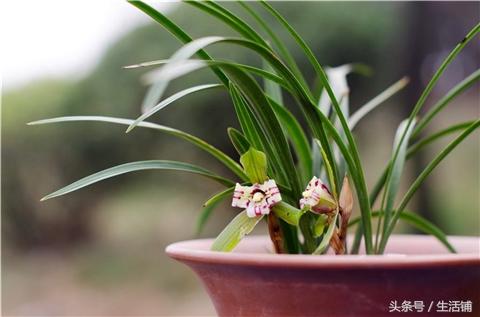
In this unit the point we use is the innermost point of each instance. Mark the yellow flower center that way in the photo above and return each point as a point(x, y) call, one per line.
point(307, 193)
point(257, 197)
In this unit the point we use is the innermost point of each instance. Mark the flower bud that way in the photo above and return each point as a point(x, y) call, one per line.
point(318, 198)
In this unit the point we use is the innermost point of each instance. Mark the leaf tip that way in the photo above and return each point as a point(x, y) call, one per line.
point(130, 128)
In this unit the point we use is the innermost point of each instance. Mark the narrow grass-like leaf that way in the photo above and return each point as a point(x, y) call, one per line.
point(391, 187)
point(254, 133)
point(240, 143)
point(210, 205)
point(417, 146)
point(250, 127)
point(421, 101)
point(168, 101)
point(442, 103)
point(360, 183)
point(230, 19)
point(165, 74)
point(377, 101)
point(198, 64)
point(419, 223)
point(357, 178)
point(219, 155)
point(234, 232)
point(278, 43)
point(181, 35)
point(412, 150)
point(300, 91)
point(419, 180)
point(316, 121)
point(268, 120)
point(298, 138)
point(272, 89)
point(264, 114)
point(138, 166)
point(328, 167)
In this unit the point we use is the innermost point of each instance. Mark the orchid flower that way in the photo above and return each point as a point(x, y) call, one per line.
point(317, 197)
point(258, 199)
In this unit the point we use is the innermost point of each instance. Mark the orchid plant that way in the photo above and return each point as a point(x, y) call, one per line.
point(299, 179)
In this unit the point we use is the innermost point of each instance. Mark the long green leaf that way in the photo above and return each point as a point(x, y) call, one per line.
point(328, 167)
point(157, 90)
point(357, 174)
point(442, 103)
point(264, 113)
point(257, 100)
point(250, 127)
point(419, 180)
point(391, 187)
point(417, 146)
point(219, 155)
point(240, 143)
point(230, 19)
point(254, 133)
point(419, 223)
point(168, 101)
point(234, 232)
point(297, 137)
point(277, 41)
point(198, 64)
point(377, 101)
point(316, 121)
point(412, 150)
point(137, 166)
point(421, 101)
point(272, 89)
point(210, 205)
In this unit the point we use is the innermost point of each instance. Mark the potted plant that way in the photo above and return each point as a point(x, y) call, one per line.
point(300, 183)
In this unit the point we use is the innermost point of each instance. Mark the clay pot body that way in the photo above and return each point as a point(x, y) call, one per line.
point(253, 282)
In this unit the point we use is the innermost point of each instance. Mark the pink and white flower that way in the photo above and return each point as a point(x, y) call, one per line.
point(317, 197)
point(258, 199)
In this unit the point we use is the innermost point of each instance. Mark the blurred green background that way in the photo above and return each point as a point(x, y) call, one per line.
point(99, 251)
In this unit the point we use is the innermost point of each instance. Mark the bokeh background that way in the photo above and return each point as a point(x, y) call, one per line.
point(99, 251)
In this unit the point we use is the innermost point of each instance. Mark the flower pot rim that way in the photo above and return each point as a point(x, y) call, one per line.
point(254, 251)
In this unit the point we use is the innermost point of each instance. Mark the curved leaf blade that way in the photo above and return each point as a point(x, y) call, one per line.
point(234, 232)
point(400, 145)
point(240, 143)
point(297, 137)
point(419, 180)
point(198, 64)
point(442, 103)
point(377, 101)
point(219, 155)
point(419, 223)
point(137, 166)
point(168, 101)
point(210, 206)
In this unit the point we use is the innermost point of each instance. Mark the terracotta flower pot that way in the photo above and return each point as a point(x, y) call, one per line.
point(416, 272)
